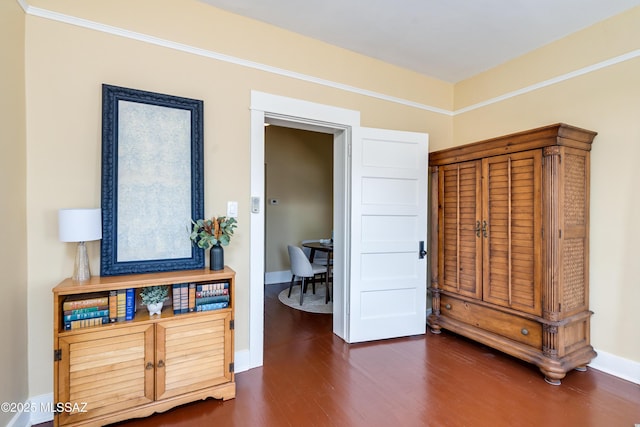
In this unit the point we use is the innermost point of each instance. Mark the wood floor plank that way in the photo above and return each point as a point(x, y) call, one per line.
point(312, 378)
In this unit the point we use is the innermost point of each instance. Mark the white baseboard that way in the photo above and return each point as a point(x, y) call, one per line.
point(274, 277)
point(37, 410)
point(617, 366)
point(44, 403)
point(242, 361)
point(20, 419)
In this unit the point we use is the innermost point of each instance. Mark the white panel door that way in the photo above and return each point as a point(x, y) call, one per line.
point(388, 286)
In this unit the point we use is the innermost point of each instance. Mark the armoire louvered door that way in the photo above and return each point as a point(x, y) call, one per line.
point(490, 214)
point(511, 229)
point(460, 222)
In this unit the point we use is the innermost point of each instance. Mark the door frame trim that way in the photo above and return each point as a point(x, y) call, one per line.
point(307, 115)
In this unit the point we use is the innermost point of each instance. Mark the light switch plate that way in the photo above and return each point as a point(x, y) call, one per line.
point(232, 209)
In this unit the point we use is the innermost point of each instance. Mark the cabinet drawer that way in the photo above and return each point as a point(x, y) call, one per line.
point(510, 326)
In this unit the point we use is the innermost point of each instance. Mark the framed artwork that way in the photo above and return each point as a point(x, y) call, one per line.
point(152, 181)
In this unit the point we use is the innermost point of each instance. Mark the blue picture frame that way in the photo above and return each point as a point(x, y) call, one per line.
point(152, 181)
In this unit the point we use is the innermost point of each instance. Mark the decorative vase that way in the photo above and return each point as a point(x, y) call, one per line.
point(216, 258)
point(155, 308)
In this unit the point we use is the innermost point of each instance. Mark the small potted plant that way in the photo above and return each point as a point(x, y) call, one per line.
point(153, 297)
point(213, 234)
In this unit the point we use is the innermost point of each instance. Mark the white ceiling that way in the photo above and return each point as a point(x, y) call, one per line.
point(450, 40)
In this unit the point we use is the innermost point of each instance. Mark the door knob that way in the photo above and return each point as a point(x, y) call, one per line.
point(422, 252)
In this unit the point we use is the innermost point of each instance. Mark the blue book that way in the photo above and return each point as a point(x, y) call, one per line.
point(87, 315)
point(130, 304)
point(209, 300)
point(212, 306)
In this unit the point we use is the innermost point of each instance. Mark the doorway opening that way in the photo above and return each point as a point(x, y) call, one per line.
point(297, 114)
point(299, 205)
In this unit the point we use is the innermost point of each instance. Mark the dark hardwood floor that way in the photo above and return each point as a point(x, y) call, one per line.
point(312, 378)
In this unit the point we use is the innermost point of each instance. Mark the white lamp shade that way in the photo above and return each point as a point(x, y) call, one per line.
point(80, 225)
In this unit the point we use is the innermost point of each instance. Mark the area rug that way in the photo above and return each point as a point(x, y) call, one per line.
point(310, 303)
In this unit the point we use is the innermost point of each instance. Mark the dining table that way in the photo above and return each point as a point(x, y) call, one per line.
point(322, 247)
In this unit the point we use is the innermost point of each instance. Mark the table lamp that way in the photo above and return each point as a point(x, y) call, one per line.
point(80, 225)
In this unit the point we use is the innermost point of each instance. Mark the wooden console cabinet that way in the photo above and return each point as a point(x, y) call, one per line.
point(128, 369)
point(510, 245)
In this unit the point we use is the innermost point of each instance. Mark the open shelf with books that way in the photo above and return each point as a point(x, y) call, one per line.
point(111, 354)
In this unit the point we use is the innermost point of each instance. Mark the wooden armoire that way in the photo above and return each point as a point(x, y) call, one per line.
point(510, 245)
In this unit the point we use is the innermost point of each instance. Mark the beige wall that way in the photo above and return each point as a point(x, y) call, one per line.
point(606, 101)
point(299, 174)
point(13, 228)
point(66, 65)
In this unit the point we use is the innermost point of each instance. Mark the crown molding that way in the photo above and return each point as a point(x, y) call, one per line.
point(23, 4)
point(96, 26)
point(84, 23)
point(549, 82)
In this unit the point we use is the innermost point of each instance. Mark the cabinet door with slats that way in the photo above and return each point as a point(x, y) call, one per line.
point(105, 371)
point(460, 245)
point(193, 353)
point(512, 249)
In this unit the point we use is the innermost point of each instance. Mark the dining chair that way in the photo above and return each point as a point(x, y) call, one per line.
point(322, 257)
point(318, 258)
point(301, 267)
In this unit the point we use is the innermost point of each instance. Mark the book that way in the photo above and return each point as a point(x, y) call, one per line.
point(176, 299)
point(192, 297)
point(113, 306)
point(85, 310)
point(212, 289)
point(87, 315)
point(208, 300)
point(184, 298)
point(212, 293)
point(130, 304)
point(212, 306)
point(122, 305)
point(85, 323)
point(75, 302)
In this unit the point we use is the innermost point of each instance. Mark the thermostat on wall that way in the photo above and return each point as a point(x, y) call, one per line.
point(255, 204)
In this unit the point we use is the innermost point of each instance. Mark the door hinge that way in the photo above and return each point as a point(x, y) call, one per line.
point(57, 355)
point(232, 324)
point(231, 367)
